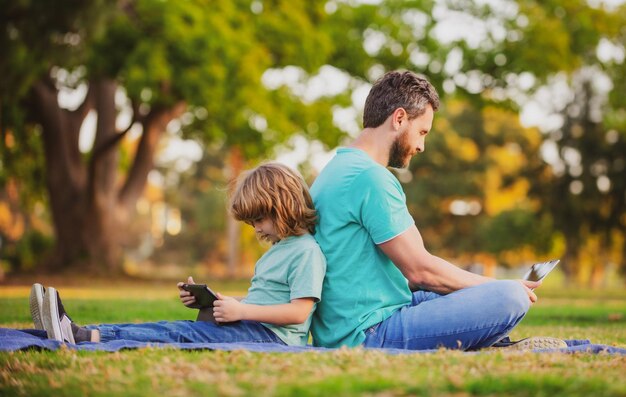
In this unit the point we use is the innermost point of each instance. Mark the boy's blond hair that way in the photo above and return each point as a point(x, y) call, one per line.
point(274, 191)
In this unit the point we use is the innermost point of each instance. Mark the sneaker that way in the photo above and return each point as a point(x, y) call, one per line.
point(37, 292)
point(532, 343)
point(56, 322)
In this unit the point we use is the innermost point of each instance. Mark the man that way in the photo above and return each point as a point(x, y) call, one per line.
point(375, 254)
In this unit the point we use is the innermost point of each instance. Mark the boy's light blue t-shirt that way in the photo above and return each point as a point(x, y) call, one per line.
point(292, 268)
point(359, 204)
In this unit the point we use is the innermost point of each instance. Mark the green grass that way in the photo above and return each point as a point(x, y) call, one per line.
point(596, 315)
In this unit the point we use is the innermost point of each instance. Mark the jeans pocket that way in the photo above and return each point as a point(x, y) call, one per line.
point(371, 336)
point(371, 330)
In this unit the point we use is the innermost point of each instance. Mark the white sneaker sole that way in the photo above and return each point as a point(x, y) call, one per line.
point(57, 328)
point(36, 303)
point(537, 343)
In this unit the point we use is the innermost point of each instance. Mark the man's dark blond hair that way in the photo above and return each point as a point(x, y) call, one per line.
point(274, 191)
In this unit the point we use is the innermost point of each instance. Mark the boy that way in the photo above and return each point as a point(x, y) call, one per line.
point(283, 294)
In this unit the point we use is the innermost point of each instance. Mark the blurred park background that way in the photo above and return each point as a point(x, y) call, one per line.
point(123, 122)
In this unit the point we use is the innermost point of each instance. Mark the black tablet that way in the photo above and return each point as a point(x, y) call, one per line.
point(203, 294)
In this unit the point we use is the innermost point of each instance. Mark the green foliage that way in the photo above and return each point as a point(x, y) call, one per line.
point(511, 229)
point(543, 40)
point(583, 190)
point(212, 57)
point(201, 197)
point(208, 57)
point(22, 160)
point(467, 149)
point(25, 253)
point(37, 35)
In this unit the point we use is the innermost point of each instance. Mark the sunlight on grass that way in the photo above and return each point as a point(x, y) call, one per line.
point(146, 292)
point(341, 372)
point(350, 372)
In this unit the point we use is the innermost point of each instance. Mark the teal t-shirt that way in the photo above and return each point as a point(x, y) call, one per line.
point(359, 204)
point(292, 268)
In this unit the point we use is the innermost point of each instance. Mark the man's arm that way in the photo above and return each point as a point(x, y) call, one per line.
point(428, 271)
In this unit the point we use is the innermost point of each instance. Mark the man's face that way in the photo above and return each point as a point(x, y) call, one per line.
point(411, 139)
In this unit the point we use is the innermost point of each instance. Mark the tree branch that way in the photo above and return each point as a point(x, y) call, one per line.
point(88, 103)
point(153, 127)
point(108, 140)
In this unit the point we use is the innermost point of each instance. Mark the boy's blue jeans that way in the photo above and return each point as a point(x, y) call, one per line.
point(188, 332)
point(470, 318)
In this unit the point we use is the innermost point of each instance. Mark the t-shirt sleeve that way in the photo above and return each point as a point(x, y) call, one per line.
point(383, 211)
point(306, 274)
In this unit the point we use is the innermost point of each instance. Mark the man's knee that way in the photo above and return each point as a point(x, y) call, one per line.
point(511, 296)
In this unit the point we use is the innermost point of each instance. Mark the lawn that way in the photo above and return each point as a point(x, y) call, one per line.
point(571, 314)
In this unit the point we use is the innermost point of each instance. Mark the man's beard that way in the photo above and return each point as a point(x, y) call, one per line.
point(400, 152)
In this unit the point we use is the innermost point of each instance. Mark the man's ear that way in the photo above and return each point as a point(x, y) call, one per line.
point(398, 117)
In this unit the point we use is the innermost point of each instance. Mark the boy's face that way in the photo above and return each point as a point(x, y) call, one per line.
point(264, 228)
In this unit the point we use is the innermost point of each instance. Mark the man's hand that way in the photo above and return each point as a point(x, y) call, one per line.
point(185, 296)
point(529, 286)
point(227, 309)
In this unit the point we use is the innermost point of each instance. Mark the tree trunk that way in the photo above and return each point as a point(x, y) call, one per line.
point(570, 258)
point(233, 229)
point(64, 180)
point(89, 210)
point(102, 228)
point(622, 264)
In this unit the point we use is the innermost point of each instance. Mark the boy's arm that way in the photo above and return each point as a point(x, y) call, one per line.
point(185, 296)
point(228, 309)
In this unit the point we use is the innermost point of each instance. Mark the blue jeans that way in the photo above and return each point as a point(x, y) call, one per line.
point(188, 332)
point(467, 319)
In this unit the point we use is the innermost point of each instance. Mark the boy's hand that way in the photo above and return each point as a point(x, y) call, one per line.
point(227, 309)
point(185, 296)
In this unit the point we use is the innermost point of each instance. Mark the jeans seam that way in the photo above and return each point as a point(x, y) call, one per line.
point(446, 334)
point(190, 336)
point(112, 332)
